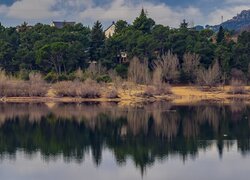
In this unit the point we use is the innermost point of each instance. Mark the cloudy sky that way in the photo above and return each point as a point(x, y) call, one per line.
point(167, 12)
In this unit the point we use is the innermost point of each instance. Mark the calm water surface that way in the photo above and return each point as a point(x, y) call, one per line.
point(106, 141)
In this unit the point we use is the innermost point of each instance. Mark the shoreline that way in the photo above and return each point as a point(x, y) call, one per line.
point(180, 95)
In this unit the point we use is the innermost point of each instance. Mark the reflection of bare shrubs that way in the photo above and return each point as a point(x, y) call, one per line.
point(237, 108)
point(190, 127)
point(88, 89)
point(166, 123)
point(237, 87)
point(137, 120)
point(31, 112)
point(156, 118)
point(208, 114)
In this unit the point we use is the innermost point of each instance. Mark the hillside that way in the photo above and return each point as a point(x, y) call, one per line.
point(238, 23)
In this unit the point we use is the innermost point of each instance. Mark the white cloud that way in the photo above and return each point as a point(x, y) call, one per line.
point(161, 13)
point(32, 9)
point(3, 9)
point(87, 11)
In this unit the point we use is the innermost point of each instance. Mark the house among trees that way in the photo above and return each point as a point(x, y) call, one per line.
point(110, 30)
point(61, 24)
point(23, 27)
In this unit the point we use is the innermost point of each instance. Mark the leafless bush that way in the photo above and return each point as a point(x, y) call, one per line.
point(237, 87)
point(238, 74)
point(10, 87)
point(112, 94)
point(157, 76)
point(190, 65)
point(170, 67)
point(37, 85)
point(248, 72)
point(138, 71)
point(79, 74)
point(94, 70)
point(209, 77)
point(87, 89)
point(161, 90)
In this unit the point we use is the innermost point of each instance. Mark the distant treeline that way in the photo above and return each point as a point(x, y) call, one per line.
point(58, 53)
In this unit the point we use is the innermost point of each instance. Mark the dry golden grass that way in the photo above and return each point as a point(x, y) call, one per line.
point(129, 93)
point(185, 94)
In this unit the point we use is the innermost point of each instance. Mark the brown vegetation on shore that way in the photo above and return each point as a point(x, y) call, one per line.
point(12, 87)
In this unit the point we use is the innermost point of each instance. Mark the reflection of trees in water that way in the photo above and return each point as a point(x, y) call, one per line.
point(146, 133)
point(208, 114)
point(137, 120)
point(237, 108)
point(31, 112)
point(190, 127)
point(166, 123)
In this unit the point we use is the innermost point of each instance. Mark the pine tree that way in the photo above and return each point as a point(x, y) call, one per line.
point(220, 35)
point(184, 25)
point(97, 42)
point(143, 23)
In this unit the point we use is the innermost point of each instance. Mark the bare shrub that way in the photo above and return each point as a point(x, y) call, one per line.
point(161, 90)
point(87, 89)
point(190, 65)
point(209, 77)
point(3, 76)
point(79, 74)
point(237, 74)
point(64, 88)
point(37, 85)
point(138, 71)
point(237, 87)
point(248, 72)
point(157, 76)
point(158, 86)
point(10, 87)
point(14, 88)
point(112, 94)
point(94, 70)
point(170, 67)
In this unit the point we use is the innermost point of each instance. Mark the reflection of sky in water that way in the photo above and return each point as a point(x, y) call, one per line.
point(206, 166)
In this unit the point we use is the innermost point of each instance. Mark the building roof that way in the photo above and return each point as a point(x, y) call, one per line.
point(110, 30)
point(61, 24)
point(113, 23)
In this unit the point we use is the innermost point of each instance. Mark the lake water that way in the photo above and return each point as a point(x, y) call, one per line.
point(107, 141)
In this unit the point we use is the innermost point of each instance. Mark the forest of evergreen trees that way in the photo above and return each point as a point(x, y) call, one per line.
point(58, 53)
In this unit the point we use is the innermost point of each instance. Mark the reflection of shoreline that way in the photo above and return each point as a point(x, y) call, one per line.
point(145, 133)
point(161, 118)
